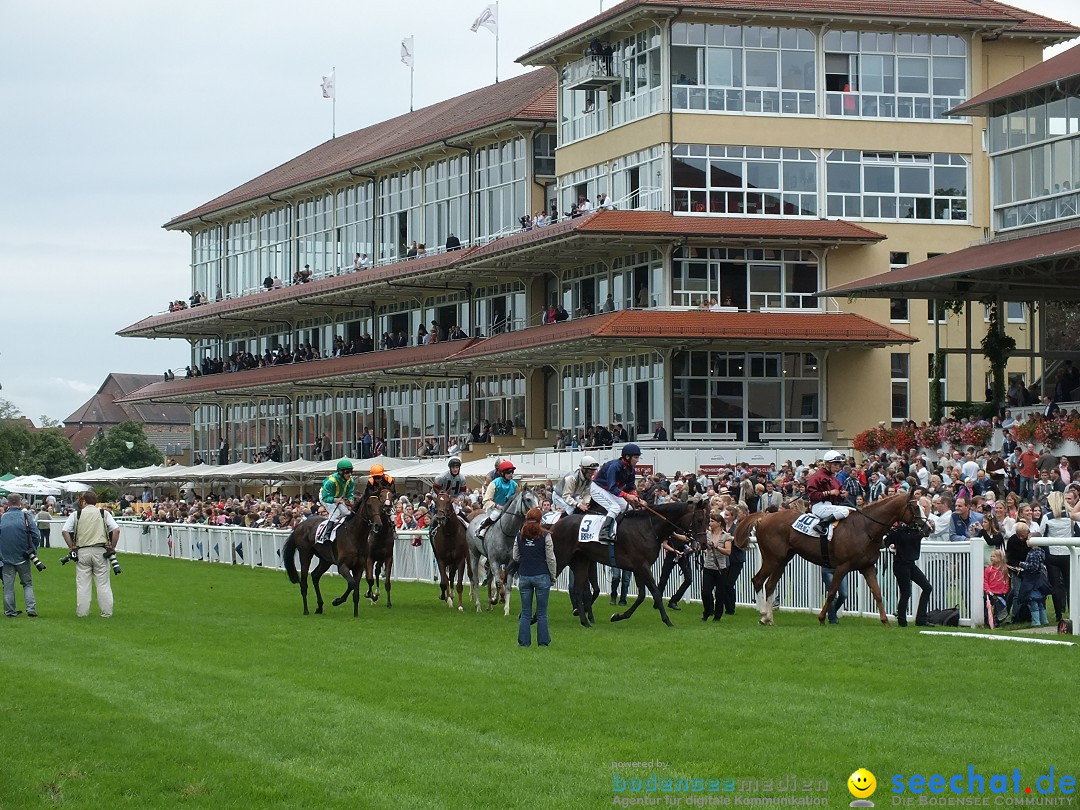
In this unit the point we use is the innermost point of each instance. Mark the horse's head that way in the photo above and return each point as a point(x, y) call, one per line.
point(386, 502)
point(912, 517)
point(697, 521)
point(371, 511)
point(444, 508)
point(529, 499)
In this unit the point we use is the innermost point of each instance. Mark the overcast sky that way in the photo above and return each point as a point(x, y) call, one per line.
point(118, 116)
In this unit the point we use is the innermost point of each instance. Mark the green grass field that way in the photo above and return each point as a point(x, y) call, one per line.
point(209, 688)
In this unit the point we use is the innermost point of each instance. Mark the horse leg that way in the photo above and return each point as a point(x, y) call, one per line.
point(770, 586)
point(316, 575)
point(474, 577)
point(378, 572)
point(758, 582)
point(870, 575)
point(507, 585)
point(368, 569)
point(460, 586)
point(389, 565)
point(594, 585)
point(305, 563)
point(350, 583)
point(356, 594)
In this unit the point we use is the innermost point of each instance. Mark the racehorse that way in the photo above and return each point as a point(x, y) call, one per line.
point(640, 535)
point(497, 545)
point(856, 544)
point(351, 545)
point(381, 551)
point(451, 549)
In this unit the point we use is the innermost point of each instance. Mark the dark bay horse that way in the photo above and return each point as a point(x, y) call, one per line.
point(350, 545)
point(380, 556)
point(640, 534)
point(451, 549)
point(856, 544)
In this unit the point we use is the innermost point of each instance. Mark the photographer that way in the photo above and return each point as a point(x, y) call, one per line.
point(91, 534)
point(19, 539)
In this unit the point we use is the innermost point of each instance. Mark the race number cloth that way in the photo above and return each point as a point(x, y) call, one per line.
point(590, 529)
point(807, 524)
point(550, 518)
point(320, 529)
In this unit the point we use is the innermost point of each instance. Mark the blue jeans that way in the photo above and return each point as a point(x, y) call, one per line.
point(541, 586)
point(841, 592)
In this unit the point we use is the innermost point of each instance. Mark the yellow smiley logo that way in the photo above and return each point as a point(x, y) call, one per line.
point(862, 784)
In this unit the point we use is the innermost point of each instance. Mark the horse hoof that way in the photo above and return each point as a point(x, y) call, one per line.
point(305, 612)
point(318, 609)
point(615, 617)
point(337, 602)
point(461, 610)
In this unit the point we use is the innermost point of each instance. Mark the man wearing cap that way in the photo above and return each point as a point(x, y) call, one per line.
point(614, 487)
point(337, 490)
point(379, 480)
point(453, 483)
point(826, 492)
point(573, 493)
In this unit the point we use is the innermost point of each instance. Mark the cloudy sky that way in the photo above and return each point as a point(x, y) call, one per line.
point(118, 116)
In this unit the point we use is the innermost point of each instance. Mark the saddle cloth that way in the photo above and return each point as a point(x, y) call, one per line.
point(807, 524)
point(549, 519)
point(589, 532)
point(321, 529)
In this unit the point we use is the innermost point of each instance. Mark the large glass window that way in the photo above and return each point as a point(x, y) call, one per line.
point(744, 180)
point(399, 212)
point(901, 186)
point(355, 224)
point(206, 250)
point(314, 226)
point(500, 185)
point(1035, 155)
point(241, 260)
point(744, 395)
point(446, 200)
point(894, 75)
point(275, 244)
point(748, 279)
point(499, 397)
point(751, 68)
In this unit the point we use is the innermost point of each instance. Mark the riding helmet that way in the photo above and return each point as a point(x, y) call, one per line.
point(833, 457)
point(504, 466)
point(377, 469)
point(631, 449)
point(452, 461)
point(344, 465)
point(589, 463)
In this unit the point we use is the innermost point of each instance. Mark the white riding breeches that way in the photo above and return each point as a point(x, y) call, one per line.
point(613, 504)
point(824, 510)
point(337, 511)
point(561, 504)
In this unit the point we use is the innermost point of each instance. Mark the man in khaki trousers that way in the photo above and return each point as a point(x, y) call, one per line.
point(90, 532)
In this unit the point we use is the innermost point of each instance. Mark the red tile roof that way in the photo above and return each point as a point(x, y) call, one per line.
point(987, 12)
point(1065, 65)
point(530, 97)
point(615, 329)
point(952, 274)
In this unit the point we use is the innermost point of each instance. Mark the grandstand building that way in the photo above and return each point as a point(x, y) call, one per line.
point(747, 158)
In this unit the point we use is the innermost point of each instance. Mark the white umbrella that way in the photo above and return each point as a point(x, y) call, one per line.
point(76, 486)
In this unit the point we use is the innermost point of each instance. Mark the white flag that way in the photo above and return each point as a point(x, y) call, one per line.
point(489, 19)
point(328, 85)
point(407, 51)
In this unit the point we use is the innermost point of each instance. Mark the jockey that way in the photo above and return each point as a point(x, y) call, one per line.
point(337, 490)
point(452, 482)
point(826, 492)
point(377, 481)
point(498, 494)
point(614, 487)
point(573, 493)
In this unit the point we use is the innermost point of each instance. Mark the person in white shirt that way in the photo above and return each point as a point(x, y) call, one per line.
point(922, 473)
point(970, 468)
point(584, 206)
point(940, 518)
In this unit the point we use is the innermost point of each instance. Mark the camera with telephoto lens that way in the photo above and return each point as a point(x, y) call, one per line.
point(71, 555)
point(110, 555)
point(36, 560)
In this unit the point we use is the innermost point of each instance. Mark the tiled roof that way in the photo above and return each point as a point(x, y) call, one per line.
point(103, 408)
point(954, 274)
point(1010, 18)
point(651, 324)
point(1065, 65)
point(615, 330)
point(530, 97)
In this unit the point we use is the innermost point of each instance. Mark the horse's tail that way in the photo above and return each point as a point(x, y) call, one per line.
point(287, 556)
point(742, 531)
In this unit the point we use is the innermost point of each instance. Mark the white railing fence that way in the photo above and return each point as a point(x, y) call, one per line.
point(954, 569)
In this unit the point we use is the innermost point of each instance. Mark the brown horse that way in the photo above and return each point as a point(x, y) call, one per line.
point(380, 554)
point(451, 550)
point(640, 535)
point(856, 544)
point(350, 545)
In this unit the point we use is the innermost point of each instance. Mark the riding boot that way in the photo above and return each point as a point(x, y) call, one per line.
point(607, 531)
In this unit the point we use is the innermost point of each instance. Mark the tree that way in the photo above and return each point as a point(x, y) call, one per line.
point(51, 454)
point(48, 421)
point(111, 449)
point(15, 444)
point(8, 409)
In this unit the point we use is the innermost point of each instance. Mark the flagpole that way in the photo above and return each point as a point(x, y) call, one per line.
point(333, 105)
point(412, 69)
point(496, 41)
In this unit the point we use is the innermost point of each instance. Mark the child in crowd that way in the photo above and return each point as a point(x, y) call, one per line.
point(996, 586)
point(1033, 586)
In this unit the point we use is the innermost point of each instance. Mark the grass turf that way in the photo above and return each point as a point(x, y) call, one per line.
point(208, 688)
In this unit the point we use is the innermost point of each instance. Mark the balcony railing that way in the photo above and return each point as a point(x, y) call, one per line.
point(592, 72)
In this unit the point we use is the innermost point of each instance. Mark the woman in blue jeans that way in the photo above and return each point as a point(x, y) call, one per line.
point(536, 574)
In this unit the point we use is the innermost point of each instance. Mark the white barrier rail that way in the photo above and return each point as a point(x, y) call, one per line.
point(954, 569)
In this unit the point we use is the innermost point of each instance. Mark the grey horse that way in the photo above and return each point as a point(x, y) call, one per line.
point(497, 545)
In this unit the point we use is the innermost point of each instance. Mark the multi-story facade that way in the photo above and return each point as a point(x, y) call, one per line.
point(752, 159)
